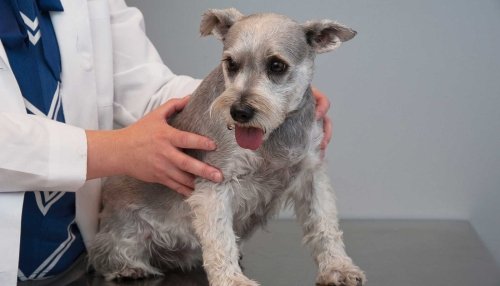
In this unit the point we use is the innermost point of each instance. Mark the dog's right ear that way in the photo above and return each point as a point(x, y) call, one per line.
point(326, 35)
point(218, 22)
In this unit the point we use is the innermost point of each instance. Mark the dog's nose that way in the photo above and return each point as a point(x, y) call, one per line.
point(242, 113)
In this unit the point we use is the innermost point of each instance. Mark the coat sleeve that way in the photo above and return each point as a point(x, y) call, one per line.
point(39, 154)
point(141, 80)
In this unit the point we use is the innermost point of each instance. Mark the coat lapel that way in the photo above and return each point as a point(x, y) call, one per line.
point(10, 94)
point(78, 81)
point(79, 95)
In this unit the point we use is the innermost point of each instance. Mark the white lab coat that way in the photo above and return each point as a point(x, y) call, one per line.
point(111, 76)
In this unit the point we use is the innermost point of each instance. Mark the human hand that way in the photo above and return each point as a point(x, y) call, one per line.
point(151, 150)
point(322, 107)
point(158, 154)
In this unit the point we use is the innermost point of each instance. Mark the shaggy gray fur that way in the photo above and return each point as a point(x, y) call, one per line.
point(147, 229)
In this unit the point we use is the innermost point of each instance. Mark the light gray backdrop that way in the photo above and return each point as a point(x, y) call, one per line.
point(416, 99)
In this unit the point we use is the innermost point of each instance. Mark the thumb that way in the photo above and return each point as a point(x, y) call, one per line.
point(172, 106)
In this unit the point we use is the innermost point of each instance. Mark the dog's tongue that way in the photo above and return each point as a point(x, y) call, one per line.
point(249, 137)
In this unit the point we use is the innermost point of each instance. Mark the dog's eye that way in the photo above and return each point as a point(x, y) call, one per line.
point(277, 66)
point(231, 65)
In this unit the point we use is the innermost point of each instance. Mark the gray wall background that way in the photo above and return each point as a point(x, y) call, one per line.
point(416, 99)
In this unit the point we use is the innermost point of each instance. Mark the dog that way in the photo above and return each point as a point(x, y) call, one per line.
point(258, 107)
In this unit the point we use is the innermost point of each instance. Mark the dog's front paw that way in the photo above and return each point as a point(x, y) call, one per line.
point(233, 280)
point(341, 275)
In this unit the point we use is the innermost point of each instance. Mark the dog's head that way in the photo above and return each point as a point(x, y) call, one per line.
point(267, 63)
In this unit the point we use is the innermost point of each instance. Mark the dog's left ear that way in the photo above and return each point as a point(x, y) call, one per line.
point(326, 35)
point(218, 22)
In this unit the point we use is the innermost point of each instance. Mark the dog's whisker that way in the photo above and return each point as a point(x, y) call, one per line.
point(210, 109)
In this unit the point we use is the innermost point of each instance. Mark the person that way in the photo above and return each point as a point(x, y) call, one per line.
point(83, 95)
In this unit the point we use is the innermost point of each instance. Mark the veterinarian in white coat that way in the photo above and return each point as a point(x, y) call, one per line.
point(111, 77)
point(111, 72)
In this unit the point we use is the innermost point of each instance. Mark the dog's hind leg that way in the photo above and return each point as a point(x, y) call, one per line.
point(121, 250)
point(315, 208)
point(213, 224)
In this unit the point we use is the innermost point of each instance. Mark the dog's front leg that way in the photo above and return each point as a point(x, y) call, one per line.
point(316, 210)
point(213, 224)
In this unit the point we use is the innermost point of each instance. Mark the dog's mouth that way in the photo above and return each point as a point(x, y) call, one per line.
point(249, 137)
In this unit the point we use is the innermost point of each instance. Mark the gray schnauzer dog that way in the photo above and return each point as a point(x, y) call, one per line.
point(258, 107)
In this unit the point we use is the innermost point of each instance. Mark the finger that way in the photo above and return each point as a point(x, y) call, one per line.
point(196, 167)
point(179, 188)
point(172, 106)
point(327, 132)
point(181, 177)
point(187, 140)
point(322, 103)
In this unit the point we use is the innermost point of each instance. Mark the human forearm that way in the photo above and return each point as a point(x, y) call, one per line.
point(104, 153)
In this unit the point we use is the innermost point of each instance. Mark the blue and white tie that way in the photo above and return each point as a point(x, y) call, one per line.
point(50, 239)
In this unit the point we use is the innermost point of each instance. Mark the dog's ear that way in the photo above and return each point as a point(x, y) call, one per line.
point(326, 35)
point(218, 22)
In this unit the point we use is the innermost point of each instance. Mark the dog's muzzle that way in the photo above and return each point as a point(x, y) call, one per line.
point(246, 136)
